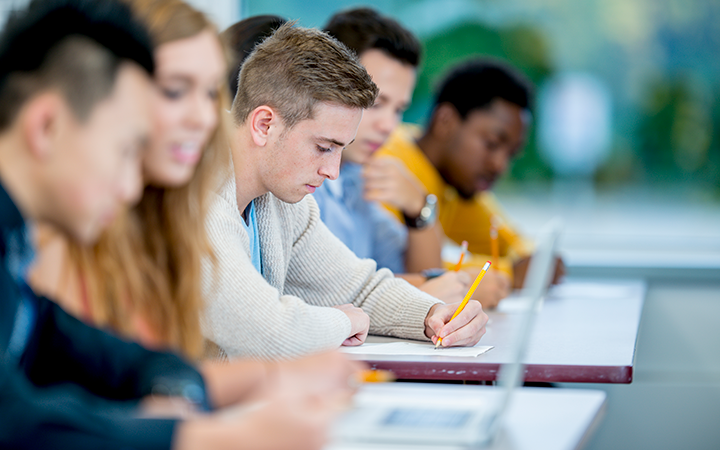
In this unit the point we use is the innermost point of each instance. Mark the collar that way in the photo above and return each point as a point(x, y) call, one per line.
point(10, 218)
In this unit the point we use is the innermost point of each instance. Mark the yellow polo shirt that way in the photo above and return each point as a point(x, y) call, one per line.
point(461, 219)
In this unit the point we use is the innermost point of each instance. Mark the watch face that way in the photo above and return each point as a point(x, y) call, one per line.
point(427, 214)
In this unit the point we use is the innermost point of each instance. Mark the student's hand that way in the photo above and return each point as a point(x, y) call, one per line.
point(449, 287)
point(359, 324)
point(329, 373)
point(294, 422)
point(464, 330)
point(494, 287)
point(388, 181)
point(521, 266)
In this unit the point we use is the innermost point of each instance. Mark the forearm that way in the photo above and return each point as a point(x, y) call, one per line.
point(415, 279)
point(206, 433)
point(229, 383)
point(252, 323)
point(424, 249)
point(67, 350)
point(69, 417)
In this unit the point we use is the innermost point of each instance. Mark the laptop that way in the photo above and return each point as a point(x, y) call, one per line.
point(381, 418)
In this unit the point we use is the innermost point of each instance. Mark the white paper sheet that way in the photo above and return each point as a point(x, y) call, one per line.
point(414, 349)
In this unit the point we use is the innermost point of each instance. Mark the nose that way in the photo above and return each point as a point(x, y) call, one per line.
point(500, 161)
point(331, 167)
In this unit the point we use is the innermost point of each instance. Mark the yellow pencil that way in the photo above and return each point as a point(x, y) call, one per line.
point(469, 294)
point(376, 376)
point(462, 255)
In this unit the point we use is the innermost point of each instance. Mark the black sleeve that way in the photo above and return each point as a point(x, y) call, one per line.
point(66, 416)
point(65, 350)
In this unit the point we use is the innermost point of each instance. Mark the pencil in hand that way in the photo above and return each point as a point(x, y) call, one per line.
point(469, 294)
point(462, 255)
point(494, 244)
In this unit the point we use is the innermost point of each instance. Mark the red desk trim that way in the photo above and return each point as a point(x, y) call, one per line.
point(414, 370)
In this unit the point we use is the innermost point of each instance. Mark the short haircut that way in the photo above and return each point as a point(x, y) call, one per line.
point(363, 29)
point(296, 68)
point(476, 83)
point(76, 46)
point(242, 37)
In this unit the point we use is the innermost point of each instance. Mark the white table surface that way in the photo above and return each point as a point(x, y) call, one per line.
point(589, 337)
point(537, 419)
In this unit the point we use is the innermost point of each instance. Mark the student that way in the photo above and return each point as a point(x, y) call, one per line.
point(73, 116)
point(142, 278)
point(479, 123)
point(242, 37)
point(155, 305)
point(391, 55)
point(286, 284)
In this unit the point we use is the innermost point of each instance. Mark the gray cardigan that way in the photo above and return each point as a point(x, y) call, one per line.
point(286, 311)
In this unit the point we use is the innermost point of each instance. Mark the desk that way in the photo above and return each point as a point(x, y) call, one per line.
point(584, 338)
point(537, 419)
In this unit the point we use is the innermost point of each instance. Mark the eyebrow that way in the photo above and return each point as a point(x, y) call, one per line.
point(334, 141)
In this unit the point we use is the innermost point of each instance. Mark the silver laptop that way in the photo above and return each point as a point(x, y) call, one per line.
point(437, 421)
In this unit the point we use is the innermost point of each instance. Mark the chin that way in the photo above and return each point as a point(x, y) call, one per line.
point(172, 180)
point(289, 198)
point(467, 195)
point(84, 236)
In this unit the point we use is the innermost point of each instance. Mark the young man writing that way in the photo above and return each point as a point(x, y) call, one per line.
point(479, 123)
point(74, 79)
point(349, 205)
point(286, 284)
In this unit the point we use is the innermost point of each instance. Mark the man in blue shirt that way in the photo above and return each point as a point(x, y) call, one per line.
point(349, 205)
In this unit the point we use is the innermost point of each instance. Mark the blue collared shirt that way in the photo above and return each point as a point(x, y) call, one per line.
point(252, 230)
point(365, 227)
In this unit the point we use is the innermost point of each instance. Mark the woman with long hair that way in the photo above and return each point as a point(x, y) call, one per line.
point(143, 278)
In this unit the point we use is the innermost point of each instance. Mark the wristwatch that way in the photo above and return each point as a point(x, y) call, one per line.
point(435, 272)
point(190, 391)
point(428, 214)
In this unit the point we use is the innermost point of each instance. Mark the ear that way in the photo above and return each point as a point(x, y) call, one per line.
point(445, 120)
point(40, 123)
point(262, 121)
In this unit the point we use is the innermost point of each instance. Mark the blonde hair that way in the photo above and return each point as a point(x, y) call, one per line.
point(296, 68)
point(149, 262)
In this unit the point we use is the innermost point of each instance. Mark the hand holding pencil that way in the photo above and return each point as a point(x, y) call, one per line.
point(458, 324)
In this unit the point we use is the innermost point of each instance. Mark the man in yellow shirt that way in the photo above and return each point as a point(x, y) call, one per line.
point(479, 123)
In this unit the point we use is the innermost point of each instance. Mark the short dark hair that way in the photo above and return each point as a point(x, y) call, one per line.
point(242, 37)
point(76, 46)
point(474, 84)
point(363, 29)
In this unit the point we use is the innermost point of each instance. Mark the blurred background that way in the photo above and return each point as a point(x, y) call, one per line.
point(625, 146)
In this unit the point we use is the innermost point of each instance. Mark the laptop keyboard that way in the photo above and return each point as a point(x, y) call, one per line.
point(427, 418)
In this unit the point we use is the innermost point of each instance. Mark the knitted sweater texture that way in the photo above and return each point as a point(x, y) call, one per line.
point(287, 310)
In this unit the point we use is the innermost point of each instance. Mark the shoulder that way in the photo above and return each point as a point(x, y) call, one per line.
point(223, 213)
point(291, 218)
point(401, 142)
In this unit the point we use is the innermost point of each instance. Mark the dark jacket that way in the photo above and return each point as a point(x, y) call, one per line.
point(75, 386)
